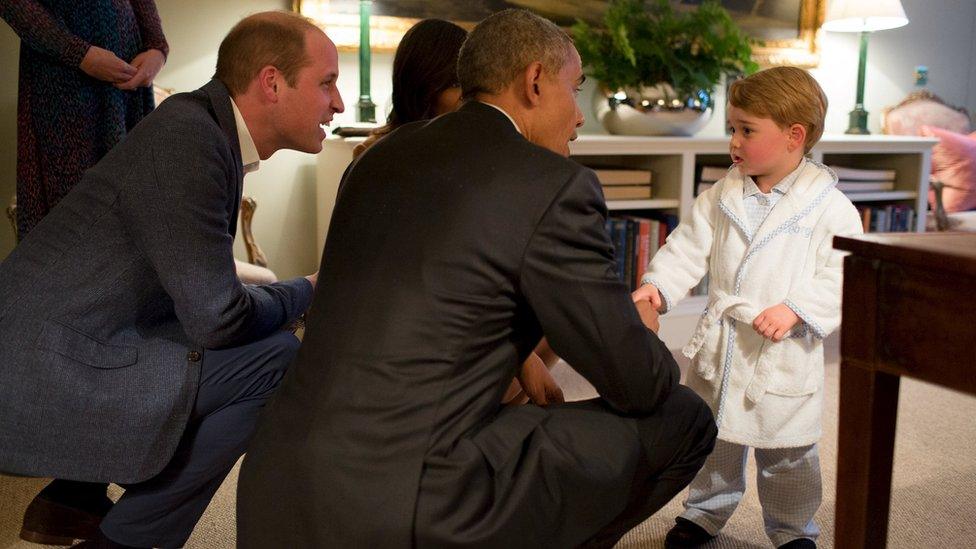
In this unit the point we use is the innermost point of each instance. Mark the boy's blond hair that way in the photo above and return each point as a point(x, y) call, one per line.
point(787, 95)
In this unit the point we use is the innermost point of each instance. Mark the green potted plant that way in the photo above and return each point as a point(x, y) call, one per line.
point(658, 67)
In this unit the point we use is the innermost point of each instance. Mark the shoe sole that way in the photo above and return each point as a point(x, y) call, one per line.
point(45, 539)
point(51, 523)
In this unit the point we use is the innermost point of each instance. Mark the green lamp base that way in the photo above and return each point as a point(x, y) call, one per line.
point(858, 122)
point(366, 109)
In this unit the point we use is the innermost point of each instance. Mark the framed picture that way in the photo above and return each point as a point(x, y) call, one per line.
point(788, 28)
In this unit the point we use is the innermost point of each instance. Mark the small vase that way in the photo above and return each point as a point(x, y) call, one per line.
point(652, 110)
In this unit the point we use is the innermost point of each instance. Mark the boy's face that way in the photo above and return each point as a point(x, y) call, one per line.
point(761, 149)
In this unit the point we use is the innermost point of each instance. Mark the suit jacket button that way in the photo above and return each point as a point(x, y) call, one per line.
point(193, 356)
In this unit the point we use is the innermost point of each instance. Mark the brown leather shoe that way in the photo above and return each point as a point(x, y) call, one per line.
point(59, 517)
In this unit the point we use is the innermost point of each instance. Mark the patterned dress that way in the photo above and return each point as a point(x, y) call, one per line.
point(67, 120)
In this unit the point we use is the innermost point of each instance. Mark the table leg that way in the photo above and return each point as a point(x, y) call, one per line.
point(866, 443)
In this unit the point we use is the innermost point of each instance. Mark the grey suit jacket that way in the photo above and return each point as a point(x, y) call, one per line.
point(107, 307)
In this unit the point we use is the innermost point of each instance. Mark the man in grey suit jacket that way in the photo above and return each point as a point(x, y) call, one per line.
point(131, 352)
point(454, 245)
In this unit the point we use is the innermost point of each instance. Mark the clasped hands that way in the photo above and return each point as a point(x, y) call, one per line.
point(773, 323)
point(102, 64)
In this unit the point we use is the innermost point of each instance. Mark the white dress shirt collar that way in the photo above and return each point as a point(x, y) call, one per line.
point(249, 153)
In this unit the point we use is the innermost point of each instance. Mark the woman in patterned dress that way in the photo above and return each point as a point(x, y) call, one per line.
point(86, 71)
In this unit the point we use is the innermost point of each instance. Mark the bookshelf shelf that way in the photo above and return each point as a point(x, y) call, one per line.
point(881, 196)
point(652, 204)
point(675, 163)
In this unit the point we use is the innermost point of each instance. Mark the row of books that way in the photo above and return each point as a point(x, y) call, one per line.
point(636, 240)
point(850, 180)
point(859, 180)
point(893, 218)
point(624, 183)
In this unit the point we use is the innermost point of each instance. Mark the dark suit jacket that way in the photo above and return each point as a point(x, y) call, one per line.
point(107, 305)
point(453, 246)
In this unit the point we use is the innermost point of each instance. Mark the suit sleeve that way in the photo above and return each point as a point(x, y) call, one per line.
point(818, 301)
point(569, 280)
point(683, 261)
point(179, 215)
point(40, 30)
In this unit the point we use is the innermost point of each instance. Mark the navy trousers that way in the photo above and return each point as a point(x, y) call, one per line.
point(234, 385)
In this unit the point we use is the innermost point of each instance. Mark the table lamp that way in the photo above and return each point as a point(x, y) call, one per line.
point(863, 17)
point(366, 109)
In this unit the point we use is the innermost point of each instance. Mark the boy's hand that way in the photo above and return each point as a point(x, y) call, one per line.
point(648, 315)
point(649, 293)
point(775, 322)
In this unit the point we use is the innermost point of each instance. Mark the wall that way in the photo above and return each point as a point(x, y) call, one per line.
point(939, 35)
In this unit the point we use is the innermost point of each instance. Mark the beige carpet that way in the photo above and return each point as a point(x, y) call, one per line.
point(932, 505)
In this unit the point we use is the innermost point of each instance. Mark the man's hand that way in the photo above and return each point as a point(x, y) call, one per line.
point(648, 293)
point(648, 315)
point(775, 322)
point(147, 64)
point(104, 65)
point(538, 383)
point(313, 278)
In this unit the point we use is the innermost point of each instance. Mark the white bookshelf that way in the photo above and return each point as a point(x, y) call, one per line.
point(673, 162)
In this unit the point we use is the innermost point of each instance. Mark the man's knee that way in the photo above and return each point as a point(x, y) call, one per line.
point(281, 349)
point(683, 423)
point(700, 423)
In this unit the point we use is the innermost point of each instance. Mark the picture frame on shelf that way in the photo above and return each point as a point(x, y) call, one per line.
point(789, 29)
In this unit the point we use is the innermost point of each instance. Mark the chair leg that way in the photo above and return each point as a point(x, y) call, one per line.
point(941, 219)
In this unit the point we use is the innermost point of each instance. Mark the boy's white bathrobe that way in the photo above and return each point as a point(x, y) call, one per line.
point(773, 392)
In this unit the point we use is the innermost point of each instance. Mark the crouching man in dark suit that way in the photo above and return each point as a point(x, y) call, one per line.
point(454, 245)
point(131, 352)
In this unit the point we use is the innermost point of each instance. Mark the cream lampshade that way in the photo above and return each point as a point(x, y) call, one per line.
point(863, 17)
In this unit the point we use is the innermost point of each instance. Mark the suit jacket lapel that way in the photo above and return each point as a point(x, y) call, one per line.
point(220, 102)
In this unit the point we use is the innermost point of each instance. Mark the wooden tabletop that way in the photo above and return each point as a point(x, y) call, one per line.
point(954, 252)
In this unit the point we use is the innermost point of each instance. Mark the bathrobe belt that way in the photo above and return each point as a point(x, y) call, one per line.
point(736, 308)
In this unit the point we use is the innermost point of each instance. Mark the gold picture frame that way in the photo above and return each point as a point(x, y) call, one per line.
point(803, 51)
point(386, 31)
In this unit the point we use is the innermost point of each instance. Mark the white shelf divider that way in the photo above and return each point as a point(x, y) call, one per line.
point(651, 204)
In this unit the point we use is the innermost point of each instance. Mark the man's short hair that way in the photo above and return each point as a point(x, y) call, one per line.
point(503, 44)
point(273, 38)
point(787, 95)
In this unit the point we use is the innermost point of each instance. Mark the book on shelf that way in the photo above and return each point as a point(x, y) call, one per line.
point(626, 192)
point(635, 241)
point(865, 186)
point(891, 218)
point(862, 174)
point(713, 173)
point(621, 176)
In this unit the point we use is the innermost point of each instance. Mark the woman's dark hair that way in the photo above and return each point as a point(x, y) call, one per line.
point(425, 64)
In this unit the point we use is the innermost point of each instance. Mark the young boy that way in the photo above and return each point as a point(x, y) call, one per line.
point(763, 235)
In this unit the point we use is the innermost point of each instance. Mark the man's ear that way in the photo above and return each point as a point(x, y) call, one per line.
point(532, 83)
point(269, 79)
point(798, 136)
